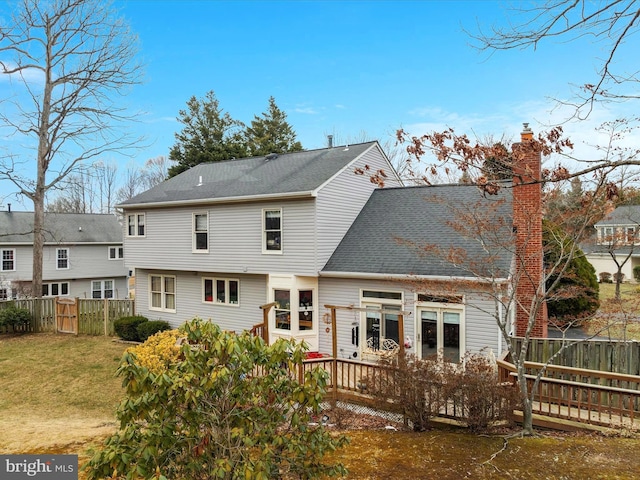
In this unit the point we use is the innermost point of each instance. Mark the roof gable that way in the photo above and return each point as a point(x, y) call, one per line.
point(61, 228)
point(386, 236)
point(246, 178)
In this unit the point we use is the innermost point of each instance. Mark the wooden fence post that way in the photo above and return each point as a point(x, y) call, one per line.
point(106, 317)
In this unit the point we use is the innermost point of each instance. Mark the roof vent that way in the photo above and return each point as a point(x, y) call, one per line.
point(199, 181)
point(271, 156)
point(330, 141)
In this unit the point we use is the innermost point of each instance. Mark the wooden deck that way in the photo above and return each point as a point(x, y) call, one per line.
point(566, 398)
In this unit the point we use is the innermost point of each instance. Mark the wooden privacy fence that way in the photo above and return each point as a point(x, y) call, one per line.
point(94, 316)
point(602, 355)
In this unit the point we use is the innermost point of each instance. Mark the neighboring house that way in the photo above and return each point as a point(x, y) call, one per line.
point(83, 256)
point(617, 235)
point(303, 230)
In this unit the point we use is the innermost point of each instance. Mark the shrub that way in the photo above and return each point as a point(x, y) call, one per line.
point(207, 414)
point(16, 318)
point(636, 273)
point(158, 352)
point(605, 277)
point(127, 327)
point(146, 329)
point(478, 397)
point(415, 385)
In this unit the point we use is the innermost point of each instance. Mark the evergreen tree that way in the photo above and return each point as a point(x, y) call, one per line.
point(208, 135)
point(575, 295)
point(271, 133)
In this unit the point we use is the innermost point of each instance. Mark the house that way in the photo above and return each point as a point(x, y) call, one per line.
point(303, 230)
point(617, 242)
point(83, 256)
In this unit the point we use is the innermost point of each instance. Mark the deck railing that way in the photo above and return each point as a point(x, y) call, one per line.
point(581, 395)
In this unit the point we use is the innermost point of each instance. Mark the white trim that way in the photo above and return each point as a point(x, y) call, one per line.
point(194, 233)
point(440, 309)
point(14, 259)
point(214, 298)
point(210, 201)
point(117, 249)
point(163, 293)
point(402, 276)
point(136, 224)
point(102, 288)
point(266, 251)
point(67, 258)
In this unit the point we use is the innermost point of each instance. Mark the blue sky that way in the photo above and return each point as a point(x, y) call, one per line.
point(344, 68)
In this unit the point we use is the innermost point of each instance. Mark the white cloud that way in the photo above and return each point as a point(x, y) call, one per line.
point(586, 135)
point(29, 75)
point(306, 110)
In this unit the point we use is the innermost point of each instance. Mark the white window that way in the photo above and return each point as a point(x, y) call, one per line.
point(223, 291)
point(135, 225)
point(606, 234)
point(282, 298)
point(306, 312)
point(116, 253)
point(272, 231)
point(62, 259)
point(440, 329)
point(4, 294)
point(631, 235)
point(102, 289)
point(381, 318)
point(162, 292)
point(8, 260)
point(201, 232)
point(55, 289)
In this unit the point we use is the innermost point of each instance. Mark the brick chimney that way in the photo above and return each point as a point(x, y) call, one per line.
point(527, 222)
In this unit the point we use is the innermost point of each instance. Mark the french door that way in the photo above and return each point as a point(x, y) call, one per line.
point(439, 333)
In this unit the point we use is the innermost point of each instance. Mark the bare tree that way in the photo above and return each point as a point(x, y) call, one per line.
point(106, 177)
point(519, 307)
point(133, 184)
point(612, 23)
point(155, 171)
point(69, 60)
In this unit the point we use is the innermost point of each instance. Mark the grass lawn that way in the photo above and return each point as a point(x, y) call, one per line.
point(57, 390)
point(618, 319)
point(59, 395)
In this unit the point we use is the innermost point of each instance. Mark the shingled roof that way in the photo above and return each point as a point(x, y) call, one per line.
point(67, 228)
point(284, 174)
point(386, 236)
point(622, 215)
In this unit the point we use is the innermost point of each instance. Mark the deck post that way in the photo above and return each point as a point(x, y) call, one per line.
point(334, 341)
point(401, 334)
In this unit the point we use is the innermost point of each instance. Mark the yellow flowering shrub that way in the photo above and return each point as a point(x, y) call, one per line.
point(158, 352)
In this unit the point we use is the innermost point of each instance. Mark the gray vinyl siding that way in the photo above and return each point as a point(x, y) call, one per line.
point(340, 201)
point(189, 302)
point(235, 239)
point(481, 331)
point(86, 263)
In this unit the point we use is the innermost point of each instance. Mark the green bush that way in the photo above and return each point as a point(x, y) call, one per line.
point(206, 413)
point(127, 327)
point(575, 295)
point(16, 318)
point(636, 273)
point(146, 329)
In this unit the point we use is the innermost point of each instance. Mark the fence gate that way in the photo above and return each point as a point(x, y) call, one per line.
point(67, 315)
